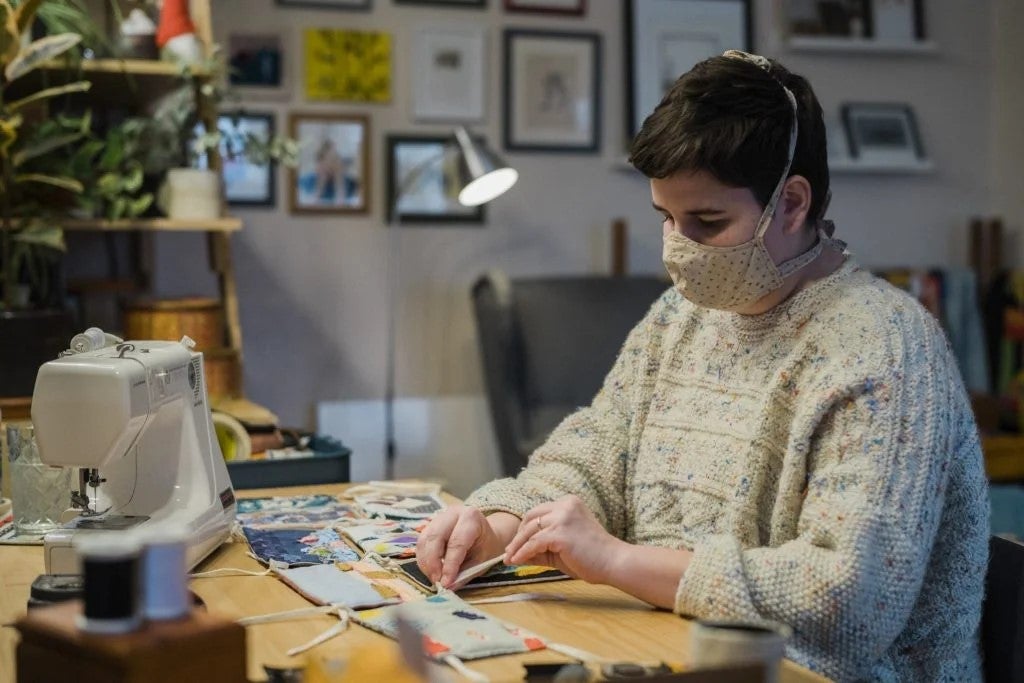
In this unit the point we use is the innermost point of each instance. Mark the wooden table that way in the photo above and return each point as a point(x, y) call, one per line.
point(599, 619)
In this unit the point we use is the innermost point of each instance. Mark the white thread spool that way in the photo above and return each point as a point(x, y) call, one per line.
point(732, 643)
point(110, 569)
point(165, 573)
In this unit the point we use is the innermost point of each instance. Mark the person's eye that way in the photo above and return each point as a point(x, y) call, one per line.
point(712, 226)
point(665, 218)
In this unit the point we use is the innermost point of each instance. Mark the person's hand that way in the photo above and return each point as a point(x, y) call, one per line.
point(565, 534)
point(458, 537)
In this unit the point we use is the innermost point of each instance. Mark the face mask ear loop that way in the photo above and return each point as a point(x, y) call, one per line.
point(769, 209)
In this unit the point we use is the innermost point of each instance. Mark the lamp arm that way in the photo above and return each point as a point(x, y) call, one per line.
point(414, 174)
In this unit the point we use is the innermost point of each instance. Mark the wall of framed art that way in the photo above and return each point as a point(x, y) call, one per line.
point(312, 284)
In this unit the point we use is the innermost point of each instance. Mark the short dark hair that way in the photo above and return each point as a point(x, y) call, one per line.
point(731, 118)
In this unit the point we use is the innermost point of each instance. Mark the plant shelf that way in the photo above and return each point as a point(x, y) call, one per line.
point(226, 224)
point(131, 67)
point(854, 166)
point(860, 45)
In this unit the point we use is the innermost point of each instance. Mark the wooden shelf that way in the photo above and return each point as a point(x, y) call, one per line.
point(130, 67)
point(123, 82)
point(853, 166)
point(226, 224)
point(860, 46)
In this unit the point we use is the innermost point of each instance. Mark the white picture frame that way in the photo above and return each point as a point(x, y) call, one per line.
point(882, 134)
point(665, 38)
point(449, 67)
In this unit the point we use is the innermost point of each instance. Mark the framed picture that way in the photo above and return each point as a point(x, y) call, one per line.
point(448, 74)
point(887, 21)
point(246, 183)
point(424, 169)
point(329, 4)
point(881, 133)
point(354, 66)
point(333, 175)
point(665, 38)
point(571, 7)
point(552, 91)
point(257, 65)
point(444, 3)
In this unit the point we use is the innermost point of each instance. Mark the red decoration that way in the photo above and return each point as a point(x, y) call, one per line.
point(174, 21)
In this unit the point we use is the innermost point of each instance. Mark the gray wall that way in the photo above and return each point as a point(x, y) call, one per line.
point(312, 290)
point(1007, 132)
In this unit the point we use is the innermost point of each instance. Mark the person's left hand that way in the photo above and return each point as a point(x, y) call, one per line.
point(565, 534)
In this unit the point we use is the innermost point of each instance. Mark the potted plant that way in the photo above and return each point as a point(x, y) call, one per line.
point(34, 326)
point(179, 144)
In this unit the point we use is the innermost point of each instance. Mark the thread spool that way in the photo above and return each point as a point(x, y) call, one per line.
point(164, 574)
point(234, 440)
point(110, 571)
point(725, 643)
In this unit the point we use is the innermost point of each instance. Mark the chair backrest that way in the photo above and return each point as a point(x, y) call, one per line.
point(1002, 619)
point(547, 344)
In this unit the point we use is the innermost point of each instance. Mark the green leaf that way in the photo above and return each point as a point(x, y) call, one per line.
point(25, 13)
point(10, 36)
point(80, 86)
point(133, 180)
point(109, 184)
point(40, 51)
point(45, 146)
point(118, 209)
point(69, 184)
point(43, 235)
point(138, 206)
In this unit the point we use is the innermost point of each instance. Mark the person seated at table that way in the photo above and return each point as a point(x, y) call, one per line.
point(783, 437)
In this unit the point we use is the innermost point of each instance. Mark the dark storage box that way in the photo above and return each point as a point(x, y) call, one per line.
point(328, 465)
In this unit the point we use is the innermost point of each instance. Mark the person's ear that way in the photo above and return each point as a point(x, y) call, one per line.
point(795, 203)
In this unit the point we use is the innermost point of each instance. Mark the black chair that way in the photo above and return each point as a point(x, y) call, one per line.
point(547, 344)
point(1002, 617)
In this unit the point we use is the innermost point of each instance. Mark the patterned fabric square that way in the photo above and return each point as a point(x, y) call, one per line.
point(386, 538)
point(331, 584)
point(372, 572)
point(451, 626)
point(401, 506)
point(307, 511)
point(297, 547)
point(499, 575)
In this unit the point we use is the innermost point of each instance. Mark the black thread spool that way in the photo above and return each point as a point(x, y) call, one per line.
point(110, 570)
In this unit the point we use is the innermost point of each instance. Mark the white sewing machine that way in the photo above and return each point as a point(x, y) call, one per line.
point(134, 417)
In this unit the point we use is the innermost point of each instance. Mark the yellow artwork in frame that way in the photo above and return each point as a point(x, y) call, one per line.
point(348, 65)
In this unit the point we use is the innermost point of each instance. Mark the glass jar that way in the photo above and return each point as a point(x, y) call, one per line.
point(39, 493)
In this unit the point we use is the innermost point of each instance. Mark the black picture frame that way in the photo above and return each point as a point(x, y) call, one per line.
point(638, 72)
point(363, 6)
point(515, 96)
point(578, 11)
point(902, 124)
point(225, 122)
point(469, 217)
point(471, 4)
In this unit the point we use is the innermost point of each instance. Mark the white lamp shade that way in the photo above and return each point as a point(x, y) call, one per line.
point(488, 186)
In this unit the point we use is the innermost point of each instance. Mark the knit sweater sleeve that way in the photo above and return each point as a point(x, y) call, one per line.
point(587, 454)
point(876, 483)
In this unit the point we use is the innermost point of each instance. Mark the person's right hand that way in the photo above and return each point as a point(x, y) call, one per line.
point(461, 536)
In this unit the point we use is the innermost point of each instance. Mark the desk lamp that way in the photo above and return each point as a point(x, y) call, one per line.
point(482, 176)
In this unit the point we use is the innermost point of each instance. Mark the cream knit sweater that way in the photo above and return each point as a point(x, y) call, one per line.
point(821, 461)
